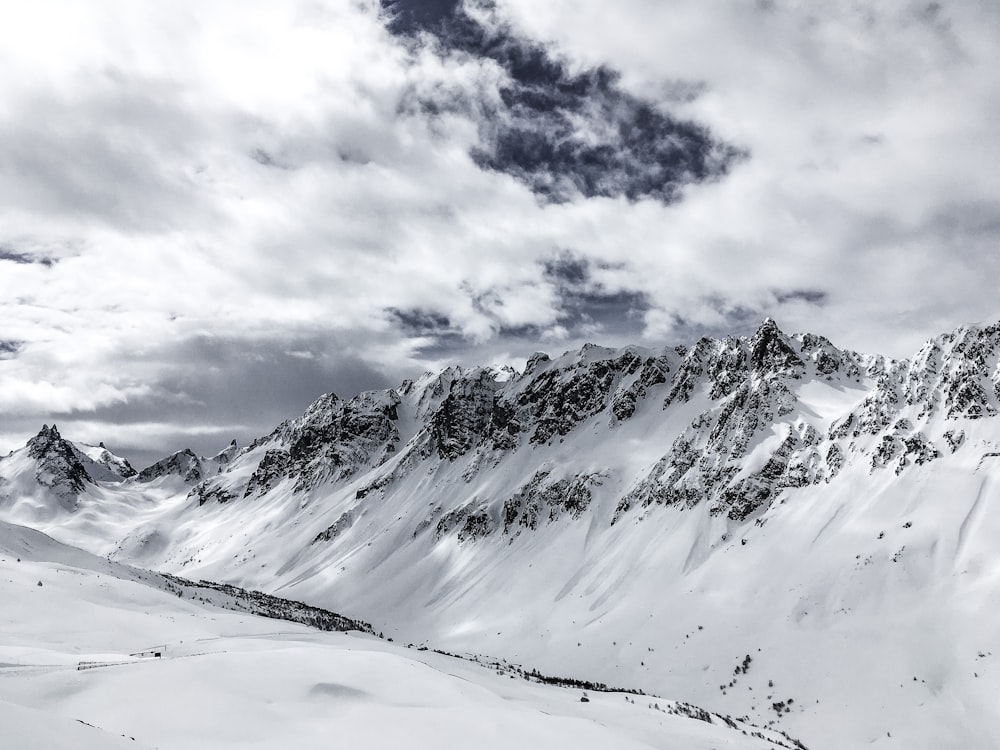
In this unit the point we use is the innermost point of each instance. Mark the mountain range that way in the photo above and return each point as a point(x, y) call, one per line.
point(770, 527)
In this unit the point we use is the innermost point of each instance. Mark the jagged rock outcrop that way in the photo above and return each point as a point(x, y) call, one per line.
point(336, 439)
point(748, 439)
point(183, 463)
point(273, 468)
point(654, 371)
point(205, 492)
point(464, 414)
point(115, 466)
point(468, 522)
point(344, 522)
point(57, 466)
point(224, 457)
point(727, 424)
point(542, 500)
point(772, 353)
point(558, 399)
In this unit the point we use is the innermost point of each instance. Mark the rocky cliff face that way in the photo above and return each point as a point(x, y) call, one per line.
point(617, 506)
point(739, 420)
point(57, 466)
point(183, 463)
point(728, 424)
point(51, 473)
point(102, 464)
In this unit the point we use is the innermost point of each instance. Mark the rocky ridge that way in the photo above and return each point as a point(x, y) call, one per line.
point(749, 435)
point(58, 466)
point(613, 508)
point(746, 434)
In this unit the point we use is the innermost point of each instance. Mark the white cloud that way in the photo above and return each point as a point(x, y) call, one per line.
point(264, 173)
point(870, 129)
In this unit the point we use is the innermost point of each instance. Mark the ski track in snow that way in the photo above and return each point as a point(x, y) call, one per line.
point(970, 518)
point(827, 525)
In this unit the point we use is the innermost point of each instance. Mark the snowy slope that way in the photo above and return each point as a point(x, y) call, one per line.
point(223, 679)
point(102, 464)
point(647, 518)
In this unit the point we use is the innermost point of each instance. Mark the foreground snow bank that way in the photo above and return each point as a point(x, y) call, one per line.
point(77, 670)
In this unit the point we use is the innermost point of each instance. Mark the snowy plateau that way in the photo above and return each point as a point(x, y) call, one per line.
point(751, 542)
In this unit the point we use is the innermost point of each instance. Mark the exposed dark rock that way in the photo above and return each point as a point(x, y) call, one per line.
point(966, 396)
point(727, 369)
point(343, 522)
point(541, 500)
point(115, 464)
point(834, 459)
point(464, 414)
point(57, 466)
point(918, 450)
point(335, 439)
point(273, 467)
point(689, 374)
point(825, 356)
point(226, 455)
point(469, 522)
point(558, 400)
point(206, 492)
point(184, 464)
point(955, 439)
point(654, 372)
point(771, 351)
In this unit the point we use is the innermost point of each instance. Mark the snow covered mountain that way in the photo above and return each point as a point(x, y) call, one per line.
point(50, 473)
point(768, 526)
point(150, 661)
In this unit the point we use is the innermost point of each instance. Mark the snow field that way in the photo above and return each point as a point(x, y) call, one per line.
point(227, 680)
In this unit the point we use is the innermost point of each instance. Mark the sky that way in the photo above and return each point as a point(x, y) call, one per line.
point(212, 213)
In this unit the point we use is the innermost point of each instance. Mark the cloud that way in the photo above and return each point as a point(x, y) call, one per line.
point(12, 256)
point(298, 197)
point(866, 126)
point(9, 349)
point(197, 391)
point(588, 301)
point(564, 133)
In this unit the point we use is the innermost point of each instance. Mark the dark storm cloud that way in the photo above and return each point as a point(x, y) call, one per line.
point(9, 349)
point(566, 133)
point(735, 320)
point(431, 332)
point(567, 269)
point(418, 322)
point(810, 296)
point(582, 305)
point(248, 388)
point(586, 305)
point(12, 256)
point(409, 16)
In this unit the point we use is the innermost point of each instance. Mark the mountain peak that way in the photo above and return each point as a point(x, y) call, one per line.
point(771, 350)
point(183, 463)
point(43, 441)
point(768, 326)
point(226, 454)
point(57, 465)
